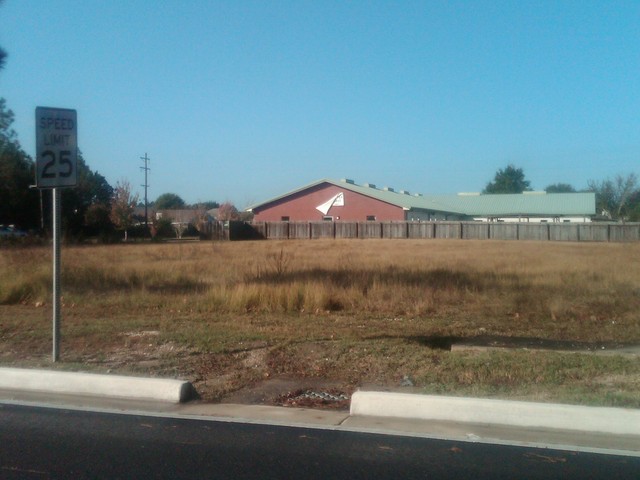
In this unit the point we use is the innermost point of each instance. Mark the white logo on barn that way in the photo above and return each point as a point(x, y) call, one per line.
point(335, 201)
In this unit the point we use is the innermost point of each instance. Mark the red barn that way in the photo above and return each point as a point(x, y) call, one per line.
point(334, 201)
point(345, 201)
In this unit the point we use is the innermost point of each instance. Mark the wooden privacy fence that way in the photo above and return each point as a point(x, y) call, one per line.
point(570, 232)
point(217, 230)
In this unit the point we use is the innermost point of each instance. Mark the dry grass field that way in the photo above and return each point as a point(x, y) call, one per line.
point(254, 321)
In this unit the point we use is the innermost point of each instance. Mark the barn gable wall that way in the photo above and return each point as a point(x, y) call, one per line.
point(301, 206)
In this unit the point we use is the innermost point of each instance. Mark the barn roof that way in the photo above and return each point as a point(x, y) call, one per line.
point(528, 203)
point(532, 203)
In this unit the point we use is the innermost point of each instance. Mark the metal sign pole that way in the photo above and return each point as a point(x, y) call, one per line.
point(56, 167)
point(56, 273)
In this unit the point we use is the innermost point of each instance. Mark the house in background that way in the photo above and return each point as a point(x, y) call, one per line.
point(344, 200)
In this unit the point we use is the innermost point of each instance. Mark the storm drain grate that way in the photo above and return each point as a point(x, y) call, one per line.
point(329, 397)
point(332, 399)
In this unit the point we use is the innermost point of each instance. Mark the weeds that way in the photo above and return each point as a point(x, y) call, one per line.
point(359, 311)
point(578, 291)
point(273, 268)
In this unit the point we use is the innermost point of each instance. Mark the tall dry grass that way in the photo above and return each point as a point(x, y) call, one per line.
point(559, 290)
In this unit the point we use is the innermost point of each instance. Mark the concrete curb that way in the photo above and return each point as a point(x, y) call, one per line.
point(95, 385)
point(617, 421)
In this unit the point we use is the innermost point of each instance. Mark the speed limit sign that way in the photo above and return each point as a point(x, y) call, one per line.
point(56, 147)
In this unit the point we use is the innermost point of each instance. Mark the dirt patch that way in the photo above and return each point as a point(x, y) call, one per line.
point(532, 343)
point(270, 376)
point(290, 392)
point(618, 380)
point(451, 343)
point(139, 351)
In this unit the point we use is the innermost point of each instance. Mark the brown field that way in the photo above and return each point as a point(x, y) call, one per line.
point(252, 321)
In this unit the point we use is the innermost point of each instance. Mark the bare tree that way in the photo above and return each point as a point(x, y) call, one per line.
point(123, 206)
point(228, 211)
point(613, 196)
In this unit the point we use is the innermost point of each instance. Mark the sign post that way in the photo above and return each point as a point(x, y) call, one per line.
point(56, 167)
point(56, 272)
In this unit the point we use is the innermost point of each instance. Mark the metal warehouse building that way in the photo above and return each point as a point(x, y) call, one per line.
point(344, 200)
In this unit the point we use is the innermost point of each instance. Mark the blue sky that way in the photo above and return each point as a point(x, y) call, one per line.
point(243, 100)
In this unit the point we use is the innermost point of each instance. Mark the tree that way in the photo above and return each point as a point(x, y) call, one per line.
point(91, 189)
point(3, 54)
point(227, 211)
point(613, 196)
point(29, 208)
point(633, 209)
point(207, 205)
point(168, 201)
point(98, 221)
point(123, 205)
point(8, 136)
point(508, 180)
point(162, 228)
point(560, 188)
point(19, 204)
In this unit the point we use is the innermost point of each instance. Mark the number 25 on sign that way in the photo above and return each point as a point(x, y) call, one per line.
point(56, 147)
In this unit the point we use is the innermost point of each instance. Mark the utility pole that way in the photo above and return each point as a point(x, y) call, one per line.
point(146, 186)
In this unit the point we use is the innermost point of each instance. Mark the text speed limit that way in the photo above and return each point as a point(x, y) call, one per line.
point(56, 147)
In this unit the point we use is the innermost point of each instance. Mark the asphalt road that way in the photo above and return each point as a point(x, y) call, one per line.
point(42, 443)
